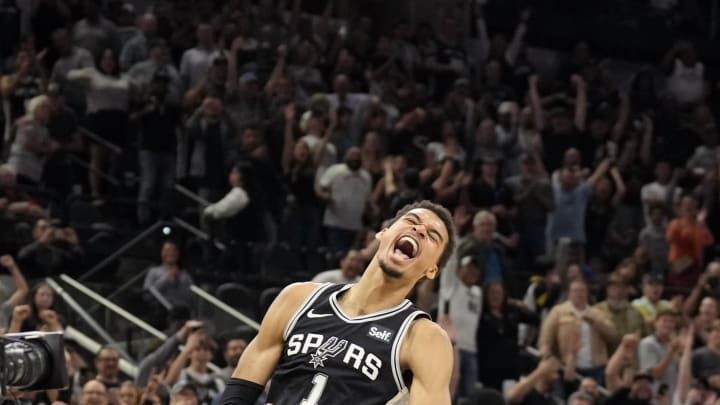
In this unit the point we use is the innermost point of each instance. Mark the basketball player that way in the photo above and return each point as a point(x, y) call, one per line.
point(358, 343)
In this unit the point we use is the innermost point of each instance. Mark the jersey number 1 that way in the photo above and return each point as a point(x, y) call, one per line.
point(319, 381)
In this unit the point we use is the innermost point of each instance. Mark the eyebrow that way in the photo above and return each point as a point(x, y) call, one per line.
point(416, 217)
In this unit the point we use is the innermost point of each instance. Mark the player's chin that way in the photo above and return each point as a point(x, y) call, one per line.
point(395, 265)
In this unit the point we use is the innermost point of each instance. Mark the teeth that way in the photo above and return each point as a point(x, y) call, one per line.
point(412, 242)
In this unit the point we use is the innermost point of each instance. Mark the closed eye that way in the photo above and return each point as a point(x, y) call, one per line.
point(433, 235)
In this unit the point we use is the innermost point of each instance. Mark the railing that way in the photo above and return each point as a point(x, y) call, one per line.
point(86, 317)
point(224, 307)
point(113, 307)
point(121, 312)
point(100, 140)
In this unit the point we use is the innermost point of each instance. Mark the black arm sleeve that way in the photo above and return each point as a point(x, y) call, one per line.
point(241, 392)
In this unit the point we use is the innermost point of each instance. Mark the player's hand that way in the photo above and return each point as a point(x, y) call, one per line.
point(8, 262)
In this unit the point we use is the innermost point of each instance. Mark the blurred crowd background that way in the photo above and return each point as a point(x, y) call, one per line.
point(151, 149)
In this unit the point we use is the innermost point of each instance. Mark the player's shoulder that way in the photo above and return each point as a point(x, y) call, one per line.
point(297, 292)
point(287, 302)
point(425, 343)
point(424, 331)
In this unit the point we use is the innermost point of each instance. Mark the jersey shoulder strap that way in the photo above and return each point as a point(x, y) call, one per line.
point(322, 291)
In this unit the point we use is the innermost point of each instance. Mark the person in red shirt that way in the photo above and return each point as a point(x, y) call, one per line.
point(687, 236)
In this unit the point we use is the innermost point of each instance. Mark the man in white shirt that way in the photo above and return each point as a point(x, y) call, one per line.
point(460, 305)
point(658, 353)
point(142, 73)
point(345, 188)
point(657, 191)
point(196, 61)
point(136, 49)
point(357, 102)
point(351, 268)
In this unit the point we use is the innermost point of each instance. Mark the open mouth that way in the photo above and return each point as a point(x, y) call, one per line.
point(407, 247)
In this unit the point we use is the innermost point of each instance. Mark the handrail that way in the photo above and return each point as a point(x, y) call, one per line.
point(99, 139)
point(197, 232)
point(85, 165)
point(191, 195)
point(224, 307)
point(93, 347)
point(113, 307)
point(123, 313)
point(121, 251)
point(160, 298)
point(85, 316)
point(134, 279)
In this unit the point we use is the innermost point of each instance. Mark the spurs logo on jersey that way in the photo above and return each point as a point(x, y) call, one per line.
point(329, 357)
point(330, 348)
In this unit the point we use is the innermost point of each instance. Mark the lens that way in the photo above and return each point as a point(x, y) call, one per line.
point(166, 230)
point(25, 364)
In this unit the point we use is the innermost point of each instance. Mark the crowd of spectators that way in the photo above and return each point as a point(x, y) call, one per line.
point(586, 196)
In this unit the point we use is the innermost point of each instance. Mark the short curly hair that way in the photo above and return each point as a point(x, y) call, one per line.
point(444, 216)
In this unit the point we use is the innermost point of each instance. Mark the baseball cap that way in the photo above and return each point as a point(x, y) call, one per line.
point(248, 77)
point(653, 278)
point(468, 260)
point(183, 386)
point(506, 107)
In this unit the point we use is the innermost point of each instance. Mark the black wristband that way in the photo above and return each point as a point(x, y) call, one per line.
point(241, 392)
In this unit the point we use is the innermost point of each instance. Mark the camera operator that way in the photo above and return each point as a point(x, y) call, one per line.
point(53, 250)
point(158, 120)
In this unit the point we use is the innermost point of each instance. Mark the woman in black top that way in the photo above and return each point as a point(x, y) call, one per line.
point(301, 222)
point(42, 298)
point(497, 336)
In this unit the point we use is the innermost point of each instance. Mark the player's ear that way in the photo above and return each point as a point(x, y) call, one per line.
point(432, 272)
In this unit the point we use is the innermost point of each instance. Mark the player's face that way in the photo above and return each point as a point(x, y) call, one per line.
point(411, 247)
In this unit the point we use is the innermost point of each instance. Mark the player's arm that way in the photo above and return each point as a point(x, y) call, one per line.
point(429, 355)
point(262, 354)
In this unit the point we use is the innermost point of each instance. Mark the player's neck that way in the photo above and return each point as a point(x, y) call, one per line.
point(374, 292)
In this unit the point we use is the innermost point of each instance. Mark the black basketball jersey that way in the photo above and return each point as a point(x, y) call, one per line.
point(330, 358)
